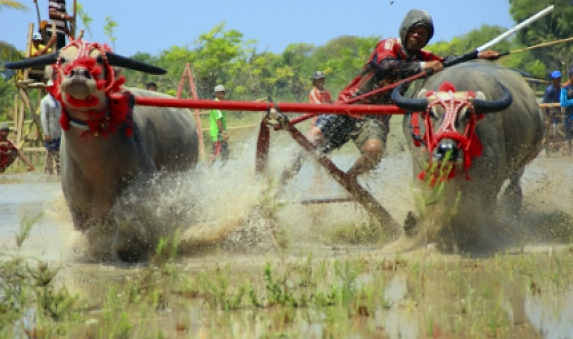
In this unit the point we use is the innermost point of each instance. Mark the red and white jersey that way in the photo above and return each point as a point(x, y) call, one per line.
point(387, 65)
point(317, 96)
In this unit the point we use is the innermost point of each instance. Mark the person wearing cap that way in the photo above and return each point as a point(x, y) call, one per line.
point(392, 60)
point(9, 151)
point(151, 86)
point(38, 48)
point(552, 114)
point(566, 100)
point(218, 129)
point(50, 113)
point(319, 94)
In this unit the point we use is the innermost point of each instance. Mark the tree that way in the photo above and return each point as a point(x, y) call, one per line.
point(13, 5)
point(86, 19)
point(556, 25)
point(109, 29)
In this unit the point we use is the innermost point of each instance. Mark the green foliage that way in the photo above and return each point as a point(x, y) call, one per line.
point(109, 29)
point(17, 5)
point(86, 19)
point(556, 25)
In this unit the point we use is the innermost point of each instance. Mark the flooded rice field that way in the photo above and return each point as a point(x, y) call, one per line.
point(238, 270)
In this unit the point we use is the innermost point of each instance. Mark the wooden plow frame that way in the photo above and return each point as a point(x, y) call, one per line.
point(275, 119)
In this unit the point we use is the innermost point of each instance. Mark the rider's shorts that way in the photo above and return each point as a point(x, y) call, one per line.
point(339, 129)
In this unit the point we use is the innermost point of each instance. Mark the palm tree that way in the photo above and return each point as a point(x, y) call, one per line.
point(13, 5)
point(7, 51)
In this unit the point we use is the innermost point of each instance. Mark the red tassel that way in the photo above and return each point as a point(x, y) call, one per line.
point(447, 86)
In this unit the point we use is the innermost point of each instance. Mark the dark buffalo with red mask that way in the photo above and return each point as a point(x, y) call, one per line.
point(111, 149)
point(472, 127)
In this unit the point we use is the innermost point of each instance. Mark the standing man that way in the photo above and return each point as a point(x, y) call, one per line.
point(552, 114)
point(59, 16)
point(9, 151)
point(218, 130)
point(392, 60)
point(319, 94)
point(566, 100)
point(50, 113)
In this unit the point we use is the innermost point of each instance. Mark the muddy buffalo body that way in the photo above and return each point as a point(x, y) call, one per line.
point(111, 150)
point(478, 126)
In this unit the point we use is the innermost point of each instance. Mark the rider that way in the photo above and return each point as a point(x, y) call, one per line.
point(391, 61)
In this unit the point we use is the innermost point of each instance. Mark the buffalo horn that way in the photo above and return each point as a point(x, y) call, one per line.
point(415, 105)
point(121, 61)
point(43, 60)
point(485, 106)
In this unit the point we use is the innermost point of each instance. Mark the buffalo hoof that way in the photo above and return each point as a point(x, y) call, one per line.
point(128, 246)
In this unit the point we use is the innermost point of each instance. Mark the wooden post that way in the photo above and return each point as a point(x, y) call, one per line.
point(28, 48)
point(16, 113)
point(19, 129)
point(187, 72)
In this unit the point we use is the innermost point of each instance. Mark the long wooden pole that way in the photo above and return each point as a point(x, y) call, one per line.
point(545, 44)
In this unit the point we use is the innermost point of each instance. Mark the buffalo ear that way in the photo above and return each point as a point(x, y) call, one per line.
point(117, 70)
point(480, 95)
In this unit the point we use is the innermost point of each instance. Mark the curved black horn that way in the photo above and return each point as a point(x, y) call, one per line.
point(43, 60)
point(415, 105)
point(121, 61)
point(484, 106)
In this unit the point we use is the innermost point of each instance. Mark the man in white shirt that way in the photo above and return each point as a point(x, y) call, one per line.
point(50, 113)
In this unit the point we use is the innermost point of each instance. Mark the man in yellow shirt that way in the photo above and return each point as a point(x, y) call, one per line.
point(40, 49)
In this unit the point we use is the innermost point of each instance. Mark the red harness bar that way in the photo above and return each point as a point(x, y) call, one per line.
point(265, 106)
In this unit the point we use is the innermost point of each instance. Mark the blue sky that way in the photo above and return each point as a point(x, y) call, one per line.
point(152, 26)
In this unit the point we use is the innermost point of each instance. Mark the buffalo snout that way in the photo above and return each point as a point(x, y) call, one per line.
point(80, 73)
point(447, 150)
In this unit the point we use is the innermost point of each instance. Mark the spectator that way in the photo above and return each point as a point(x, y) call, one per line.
point(58, 15)
point(50, 112)
point(40, 49)
point(552, 114)
point(566, 100)
point(319, 94)
point(9, 151)
point(218, 130)
point(151, 86)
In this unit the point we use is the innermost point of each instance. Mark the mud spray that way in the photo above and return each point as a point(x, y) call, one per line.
point(228, 207)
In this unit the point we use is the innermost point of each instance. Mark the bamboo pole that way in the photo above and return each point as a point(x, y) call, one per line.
point(16, 113)
point(544, 44)
point(28, 48)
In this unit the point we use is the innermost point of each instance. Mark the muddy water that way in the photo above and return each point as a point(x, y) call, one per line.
point(229, 194)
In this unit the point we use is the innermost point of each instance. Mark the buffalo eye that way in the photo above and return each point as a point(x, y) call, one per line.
point(99, 60)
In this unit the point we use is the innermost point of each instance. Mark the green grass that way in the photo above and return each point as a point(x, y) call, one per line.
point(431, 295)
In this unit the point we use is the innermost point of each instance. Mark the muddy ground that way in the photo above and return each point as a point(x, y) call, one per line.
point(304, 270)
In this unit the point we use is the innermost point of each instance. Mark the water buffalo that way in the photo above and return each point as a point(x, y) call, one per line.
point(111, 149)
point(483, 121)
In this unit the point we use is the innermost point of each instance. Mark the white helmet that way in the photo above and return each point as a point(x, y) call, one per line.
point(219, 88)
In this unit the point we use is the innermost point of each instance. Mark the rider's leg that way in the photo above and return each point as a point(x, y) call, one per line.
point(371, 140)
point(370, 157)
